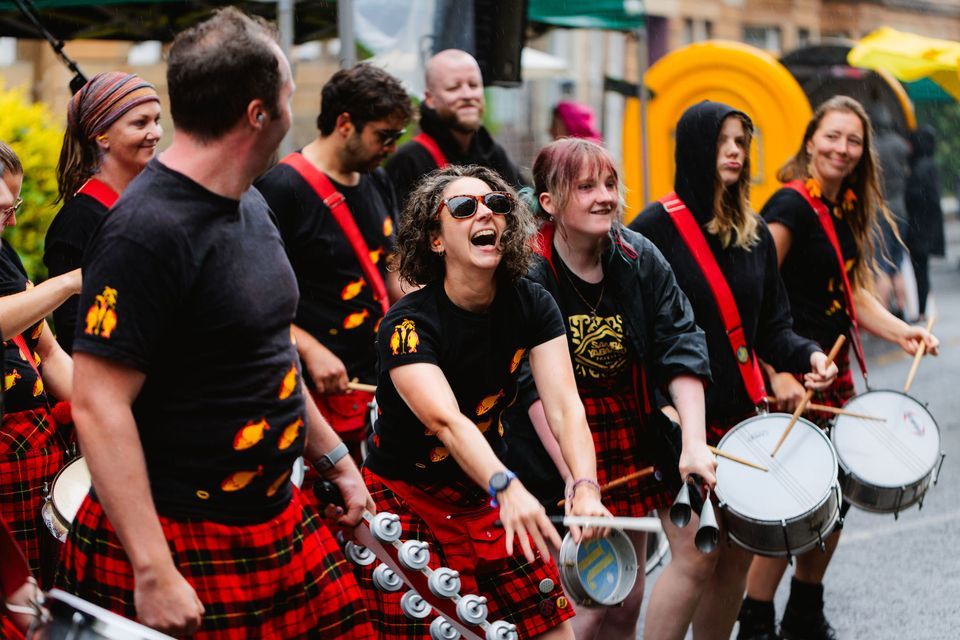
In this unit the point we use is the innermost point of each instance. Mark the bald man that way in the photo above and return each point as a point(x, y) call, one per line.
point(451, 126)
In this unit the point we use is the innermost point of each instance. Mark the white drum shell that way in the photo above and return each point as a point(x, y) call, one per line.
point(70, 486)
point(794, 506)
point(888, 466)
point(76, 619)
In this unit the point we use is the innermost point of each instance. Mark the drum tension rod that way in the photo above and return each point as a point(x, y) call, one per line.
point(936, 478)
point(786, 541)
point(896, 509)
point(820, 544)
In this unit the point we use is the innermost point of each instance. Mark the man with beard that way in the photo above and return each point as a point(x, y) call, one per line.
point(451, 126)
point(335, 210)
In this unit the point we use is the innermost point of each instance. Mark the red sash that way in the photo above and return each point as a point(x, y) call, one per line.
point(826, 222)
point(432, 148)
point(692, 236)
point(99, 191)
point(341, 213)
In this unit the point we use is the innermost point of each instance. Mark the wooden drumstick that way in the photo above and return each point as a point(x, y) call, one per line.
point(807, 396)
point(916, 358)
point(738, 459)
point(642, 473)
point(813, 406)
point(359, 386)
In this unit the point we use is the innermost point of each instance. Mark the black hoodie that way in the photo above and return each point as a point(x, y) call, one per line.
point(412, 161)
point(924, 215)
point(751, 273)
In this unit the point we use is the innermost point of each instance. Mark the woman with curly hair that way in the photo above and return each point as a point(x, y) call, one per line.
point(113, 127)
point(631, 333)
point(825, 214)
point(709, 211)
point(450, 355)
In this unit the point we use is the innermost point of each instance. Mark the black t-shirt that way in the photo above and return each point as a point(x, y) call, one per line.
point(22, 388)
point(810, 270)
point(596, 333)
point(761, 302)
point(67, 238)
point(336, 306)
point(195, 291)
point(480, 356)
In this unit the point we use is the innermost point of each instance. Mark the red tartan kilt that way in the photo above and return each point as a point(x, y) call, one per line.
point(716, 429)
point(284, 578)
point(512, 590)
point(615, 423)
point(837, 394)
point(31, 454)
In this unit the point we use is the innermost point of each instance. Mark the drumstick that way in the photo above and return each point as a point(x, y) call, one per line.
point(807, 396)
point(916, 358)
point(642, 473)
point(813, 406)
point(730, 456)
point(649, 524)
point(359, 386)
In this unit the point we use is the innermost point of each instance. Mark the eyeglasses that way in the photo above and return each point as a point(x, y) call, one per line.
point(9, 211)
point(465, 206)
point(387, 137)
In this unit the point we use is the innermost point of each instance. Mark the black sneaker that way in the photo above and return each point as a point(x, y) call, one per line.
point(757, 621)
point(812, 626)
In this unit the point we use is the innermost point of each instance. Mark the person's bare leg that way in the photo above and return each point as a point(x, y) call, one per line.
point(561, 632)
point(720, 603)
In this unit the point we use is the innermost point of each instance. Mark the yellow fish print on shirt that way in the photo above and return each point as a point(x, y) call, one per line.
point(352, 289)
point(273, 488)
point(404, 339)
point(354, 320)
point(102, 315)
point(289, 384)
point(290, 434)
point(517, 359)
point(240, 479)
point(387, 227)
point(375, 255)
point(489, 403)
point(10, 379)
point(36, 332)
point(250, 434)
point(37, 387)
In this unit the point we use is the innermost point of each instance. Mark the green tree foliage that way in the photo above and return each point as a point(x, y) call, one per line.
point(32, 131)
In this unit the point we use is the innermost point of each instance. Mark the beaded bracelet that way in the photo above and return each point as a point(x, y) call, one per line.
point(590, 481)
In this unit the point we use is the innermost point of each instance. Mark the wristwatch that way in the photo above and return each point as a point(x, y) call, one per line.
point(326, 462)
point(499, 482)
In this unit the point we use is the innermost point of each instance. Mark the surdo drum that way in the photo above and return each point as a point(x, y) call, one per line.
point(792, 507)
point(599, 572)
point(68, 617)
point(887, 465)
point(70, 486)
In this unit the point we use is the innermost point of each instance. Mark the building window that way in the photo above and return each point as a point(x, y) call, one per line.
point(767, 38)
point(696, 30)
point(803, 37)
point(146, 53)
point(8, 51)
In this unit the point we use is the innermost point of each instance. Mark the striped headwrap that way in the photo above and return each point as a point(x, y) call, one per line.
point(104, 99)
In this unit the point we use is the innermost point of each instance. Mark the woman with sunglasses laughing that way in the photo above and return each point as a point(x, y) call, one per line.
point(450, 356)
point(630, 331)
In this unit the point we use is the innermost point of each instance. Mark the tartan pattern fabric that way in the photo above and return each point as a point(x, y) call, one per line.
point(31, 454)
point(284, 578)
point(837, 394)
point(512, 592)
point(716, 429)
point(615, 422)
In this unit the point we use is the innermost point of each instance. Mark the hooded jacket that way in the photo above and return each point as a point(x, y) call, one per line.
point(924, 214)
point(412, 161)
point(751, 273)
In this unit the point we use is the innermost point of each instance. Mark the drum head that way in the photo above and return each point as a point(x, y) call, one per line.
point(70, 487)
point(894, 453)
point(98, 621)
point(803, 472)
point(604, 569)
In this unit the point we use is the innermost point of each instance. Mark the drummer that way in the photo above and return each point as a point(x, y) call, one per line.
point(449, 359)
point(711, 200)
point(37, 373)
point(630, 330)
point(834, 171)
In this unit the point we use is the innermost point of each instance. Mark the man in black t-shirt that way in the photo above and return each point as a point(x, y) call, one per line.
point(345, 287)
point(188, 399)
point(451, 126)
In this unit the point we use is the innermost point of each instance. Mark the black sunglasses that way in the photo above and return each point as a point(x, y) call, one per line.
point(386, 137)
point(462, 207)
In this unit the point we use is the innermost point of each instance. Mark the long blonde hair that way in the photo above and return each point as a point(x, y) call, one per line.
point(734, 221)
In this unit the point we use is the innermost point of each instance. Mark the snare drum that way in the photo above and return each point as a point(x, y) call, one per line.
point(599, 572)
point(796, 504)
point(76, 619)
point(887, 466)
point(70, 486)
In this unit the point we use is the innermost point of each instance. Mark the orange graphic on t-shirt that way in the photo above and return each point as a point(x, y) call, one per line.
point(404, 339)
point(290, 433)
point(273, 488)
point(250, 434)
point(10, 379)
point(375, 255)
point(517, 358)
point(352, 289)
point(37, 387)
point(387, 227)
point(488, 403)
point(439, 454)
point(36, 332)
point(289, 383)
point(354, 320)
point(484, 425)
point(102, 315)
point(240, 479)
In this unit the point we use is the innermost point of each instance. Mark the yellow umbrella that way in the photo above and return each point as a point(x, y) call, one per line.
point(910, 57)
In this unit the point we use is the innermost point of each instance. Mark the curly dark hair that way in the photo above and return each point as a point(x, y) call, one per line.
point(419, 264)
point(367, 93)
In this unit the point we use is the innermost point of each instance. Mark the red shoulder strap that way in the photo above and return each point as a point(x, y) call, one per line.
point(826, 222)
point(432, 148)
point(341, 213)
point(99, 191)
point(697, 245)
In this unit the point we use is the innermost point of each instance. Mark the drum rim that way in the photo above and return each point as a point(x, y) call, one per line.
point(568, 546)
point(104, 620)
point(67, 524)
point(718, 491)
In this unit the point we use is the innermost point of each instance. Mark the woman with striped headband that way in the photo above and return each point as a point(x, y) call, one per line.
point(113, 127)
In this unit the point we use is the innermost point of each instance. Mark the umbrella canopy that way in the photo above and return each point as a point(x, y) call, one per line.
point(910, 57)
point(618, 15)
